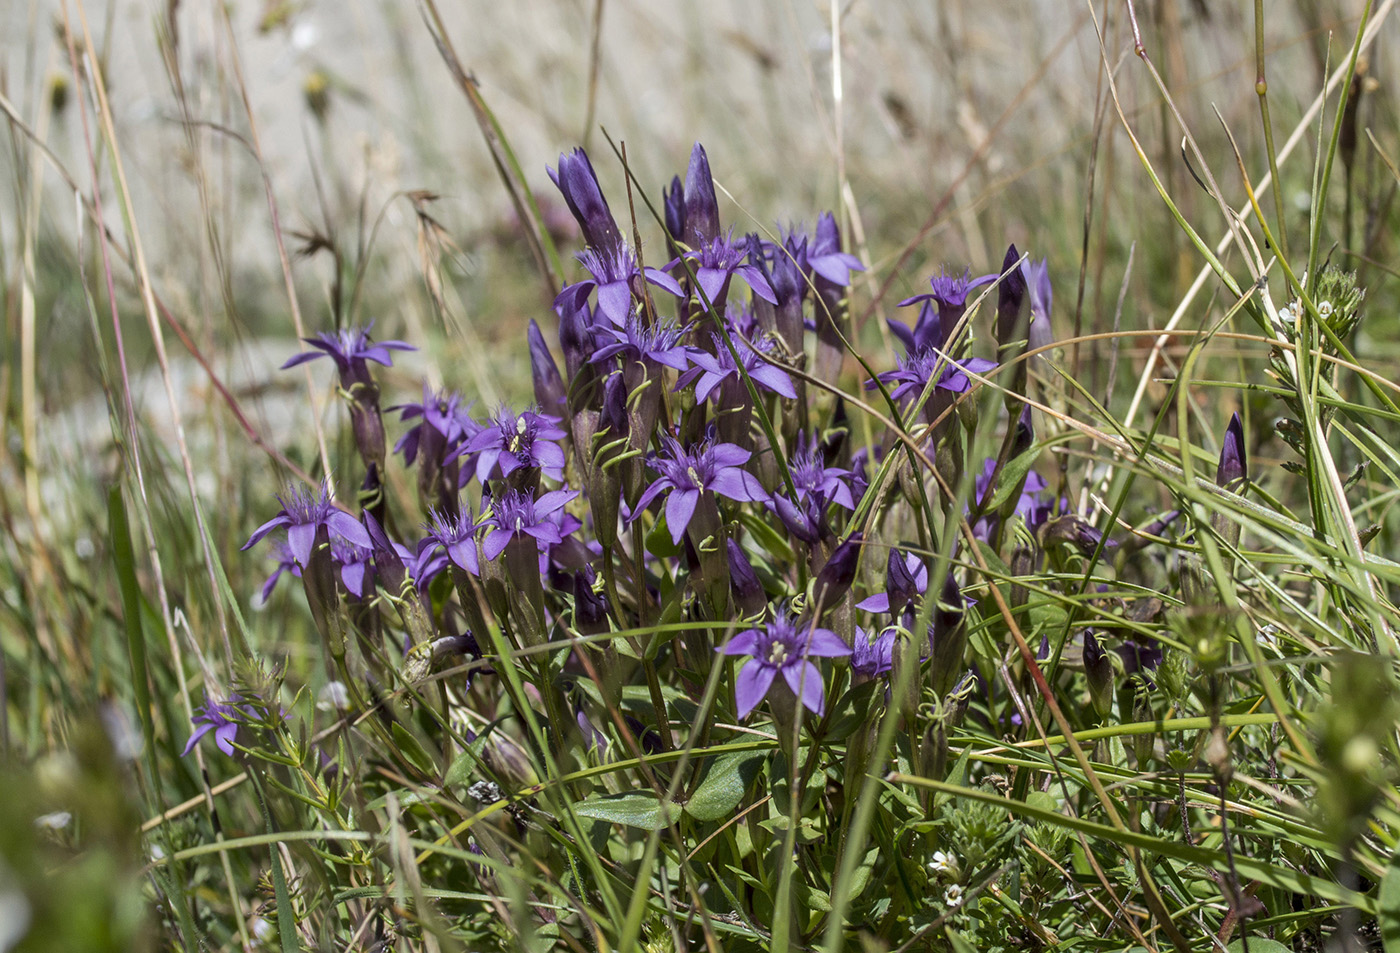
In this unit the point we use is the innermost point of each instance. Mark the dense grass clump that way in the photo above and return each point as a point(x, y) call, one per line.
point(720, 602)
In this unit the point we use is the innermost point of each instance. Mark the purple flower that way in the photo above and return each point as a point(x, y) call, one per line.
point(550, 392)
point(1029, 506)
point(717, 261)
point(1233, 470)
point(613, 272)
point(286, 562)
point(905, 578)
point(350, 348)
point(456, 537)
point(701, 219)
point(686, 474)
point(713, 369)
point(1037, 278)
point(637, 342)
point(814, 479)
point(221, 718)
point(303, 516)
point(356, 566)
point(518, 514)
point(825, 257)
point(673, 198)
point(579, 185)
point(1140, 656)
point(444, 424)
point(950, 292)
point(913, 373)
point(509, 442)
point(783, 646)
point(873, 659)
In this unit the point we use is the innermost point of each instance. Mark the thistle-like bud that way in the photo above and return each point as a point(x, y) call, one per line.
point(835, 578)
point(701, 207)
point(549, 386)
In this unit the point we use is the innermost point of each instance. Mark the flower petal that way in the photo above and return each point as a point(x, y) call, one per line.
point(806, 683)
point(827, 644)
point(680, 507)
point(745, 643)
point(754, 680)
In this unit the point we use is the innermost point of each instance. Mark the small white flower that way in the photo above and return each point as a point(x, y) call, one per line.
point(1324, 309)
point(953, 896)
point(1285, 314)
point(940, 863)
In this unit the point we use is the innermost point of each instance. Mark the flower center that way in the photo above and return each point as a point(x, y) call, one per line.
point(695, 478)
point(777, 653)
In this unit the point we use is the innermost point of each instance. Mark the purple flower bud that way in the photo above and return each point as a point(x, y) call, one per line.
point(873, 659)
point(576, 338)
point(674, 200)
point(743, 581)
point(835, 578)
point(590, 608)
point(701, 207)
point(549, 386)
point(1099, 671)
point(579, 185)
point(1073, 531)
point(1233, 471)
point(1011, 300)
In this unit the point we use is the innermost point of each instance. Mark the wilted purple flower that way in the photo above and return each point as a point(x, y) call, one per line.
point(303, 515)
point(579, 185)
point(286, 562)
point(783, 646)
point(687, 474)
point(906, 577)
point(716, 261)
point(517, 514)
point(456, 537)
point(222, 718)
point(1233, 471)
point(356, 565)
point(711, 370)
point(350, 348)
point(1142, 655)
point(613, 273)
point(509, 442)
point(873, 659)
point(1037, 277)
point(636, 342)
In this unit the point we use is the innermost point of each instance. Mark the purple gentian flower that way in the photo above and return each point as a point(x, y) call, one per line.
point(825, 257)
point(783, 645)
point(612, 275)
point(456, 536)
point(303, 515)
point(701, 219)
point(951, 292)
point(912, 373)
point(444, 425)
point(1140, 655)
point(637, 342)
point(711, 370)
point(516, 513)
point(873, 659)
point(906, 577)
point(686, 474)
point(221, 718)
point(1037, 277)
point(509, 442)
point(1232, 472)
point(286, 562)
point(813, 478)
point(717, 261)
point(356, 566)
point(1028, 506)
point(350, 348)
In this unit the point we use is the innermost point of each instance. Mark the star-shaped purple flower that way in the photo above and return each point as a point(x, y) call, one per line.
point(711, 370)
point(518, 514)
point(350, 348)
point(356, 564)
point(286, 562)
point(873, 659)
point(443, 423)
point(222, 719)
point(912, 373)
point(951, 292)
point(613, 272)
point(637, 342)
point(303, 515)
point(719, 260)
point(687, 474)
point(784, 646)
point(906, 578)
point(813, 478)
point(455, 537)
point(825, 257)
point(509, 442)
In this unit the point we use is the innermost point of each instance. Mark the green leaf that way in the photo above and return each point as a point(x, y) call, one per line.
point(1388, 900)
point(633, 809)
point(414, 751)
point(1259, 944)
point(1012, 476)
point(726, 779)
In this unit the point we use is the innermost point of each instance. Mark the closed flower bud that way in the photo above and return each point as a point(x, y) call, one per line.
point(743, 581)
point(549, 386)
point(674, 200)
point(701, 207)
point(835, 578)
point(1099, 670)
point(1233, 470)
point(1011, 301)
